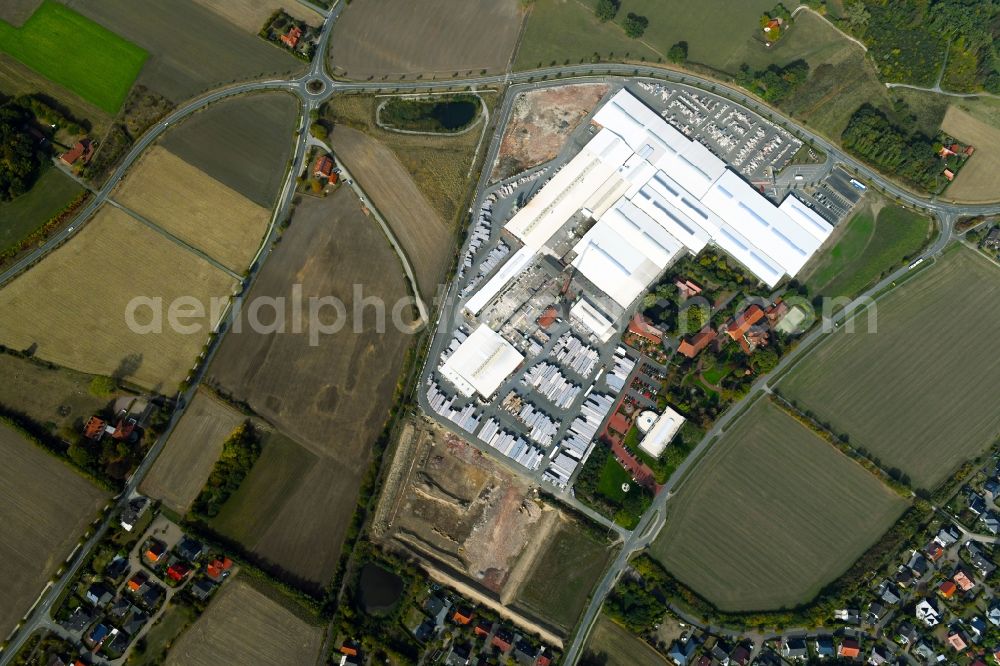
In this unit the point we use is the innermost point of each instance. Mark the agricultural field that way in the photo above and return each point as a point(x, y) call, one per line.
point(242, 626)
point(420, 230)
point(539, 123)
point(251, 14)
point(376, 38)
point(16, 12)
point(617, 646)
point(58, 398)
point(330, 394)
point(976, 182)
point(216, 141)
point(194, 207)
point(191, 49)
point(924, 418)
point(39, 527)
point(800, 511)
point(70, 308)
point(50, 194)
point(76, 53)
point(878, 238)
point(181, 470)
point(441, 166)
point(563, 575)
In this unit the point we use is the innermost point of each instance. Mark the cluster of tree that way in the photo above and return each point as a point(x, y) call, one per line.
point(606, 9)
point(20, 155)
point(678, 53)
point(871, 136)
point(636, 605)
point(635, 25)
point(908, 38)
point(239, 453)
point(775, 83)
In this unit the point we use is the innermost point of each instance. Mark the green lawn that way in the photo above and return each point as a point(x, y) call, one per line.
point(869, 247)
point(612, 477)
point(49, 196)
point(77, 53)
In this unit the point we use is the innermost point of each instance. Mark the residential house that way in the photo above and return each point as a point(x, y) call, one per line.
point(927, 612)
point(949, 174)
point(977, 628)
point(992, 485)
point(948, 535)
point(202, 589)
point(437, 608)
point(79, 619)
point(890, 593)
point(963, 581)
point(692, 347)
point(740, 656)
point(133, 512)
point(323, 168)
point(189, 549)
point(993, 613)
point(849, 648)
point(991, 522)
point(483, 628)
point(81, 152)
point(992, 242)
point(681, 651)
point(934, 551)
point(218, 568)
point(424, 631)
point(178, 571)
point(878, 656)
point(947, 589)
point(977, 504)
point(292, 37)
point(156, 550)
point(97, 636)
point(502, 639)
point(794, 648)
point(462, 615)
point(137, 583)
point(459, 655)
point(135, 622)
point(956, 640)
point(917, 564)
point(117, 568)
point(982, 563)
point(924, 651)
point(703, 660)
point(876, 611)
point(151, 597)
point(99, 595)
point(849, 615)
point(904, 576)
point(686, 289)
point(720, 653)
point(119, 608)
point(93, 429)
point(524, 651)
point(643, 327)
point(906, 634)
point(824, 647)
point(738, 328)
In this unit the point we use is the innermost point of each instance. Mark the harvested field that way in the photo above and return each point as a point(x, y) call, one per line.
point(923, 417)
point(617, 646)
point(71, 307)
point(539, 123)
point(243, 626)
point(423, 235)
point(39, 527)
point(181, 470)
point(48, 197)
point(393, 37)
point(441, 165)
point(191, 49)
point(800, 510)
point(77, 53)
point(16, 12)
point(332, 396)
point(250, 15)
point(563, 575)
point(56, 397)
point(215, 141)
point(196, 208)
point(976, 181)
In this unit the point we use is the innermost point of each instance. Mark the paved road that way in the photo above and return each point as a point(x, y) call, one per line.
point(312, 97)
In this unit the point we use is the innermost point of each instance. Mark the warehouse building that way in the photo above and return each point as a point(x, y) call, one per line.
point(481, 363)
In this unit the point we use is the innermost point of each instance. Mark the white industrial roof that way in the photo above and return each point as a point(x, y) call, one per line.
point(596, 321)
point(666, 426)
point(806, 217)
point(695, 168)
point(508, 271)
point(481, 363)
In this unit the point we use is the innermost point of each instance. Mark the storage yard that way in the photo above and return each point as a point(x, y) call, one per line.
point(557, 257)
point(39, 527)
point(800, 510)
point(88, 285)
point(869, 386)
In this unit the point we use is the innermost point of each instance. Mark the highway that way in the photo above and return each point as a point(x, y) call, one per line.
point(311, 98)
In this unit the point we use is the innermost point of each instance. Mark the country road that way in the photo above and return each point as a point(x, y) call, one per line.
point(323, 88)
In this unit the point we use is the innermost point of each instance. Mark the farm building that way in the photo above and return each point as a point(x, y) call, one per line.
point(481, 363)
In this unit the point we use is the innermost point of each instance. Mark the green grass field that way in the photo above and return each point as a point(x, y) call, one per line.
point(76, 53)
point(612, 477)
point(47, 198)
point(771, 515)
point(869, 247)
point(564, 575)
point(614, 645)
point(920, 393)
